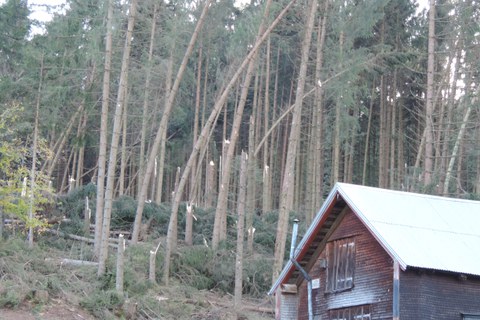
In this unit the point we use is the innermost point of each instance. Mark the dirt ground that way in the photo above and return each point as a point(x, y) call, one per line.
point(55, 310)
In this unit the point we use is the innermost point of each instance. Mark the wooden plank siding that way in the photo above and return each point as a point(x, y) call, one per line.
point(437, 295)
point(373, 276)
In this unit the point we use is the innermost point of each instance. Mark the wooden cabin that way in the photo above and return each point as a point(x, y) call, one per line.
point(372, 253)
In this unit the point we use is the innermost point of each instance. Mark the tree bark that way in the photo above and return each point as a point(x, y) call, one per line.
point(287, 192)
point(117, 125)
point(102, 152)
point(336, 136)
point(219, 230)
point(145, 115)
point(319, 125)
point(429, 138)
point(31, 208)
point(203, 138)
point(240, 232)
point(252, 188)
point(461, 132)
point(163, 125)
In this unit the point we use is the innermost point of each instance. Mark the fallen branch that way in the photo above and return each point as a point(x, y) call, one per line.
point(72, 262)
point(80, 238)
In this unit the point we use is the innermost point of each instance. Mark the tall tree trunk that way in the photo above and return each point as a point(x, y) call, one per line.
point(162, 127)
point(145, 115)
point(319, 126)
point(81, 150)
point(161, 156)
point(393, 133)
point(240, 232)
point(252, 187)
point(117, 125)
point(31, 207)
point(286, 197)
point(102, 152)
point(429, 138)
point(123, 152)
point(367, 137)
point(336, 137)
point(266, 200)
point(456, 147)
point(219, 231)
point(61, 142)
point(205, 133)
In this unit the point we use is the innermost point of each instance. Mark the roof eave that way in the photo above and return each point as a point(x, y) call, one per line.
point(288, 269)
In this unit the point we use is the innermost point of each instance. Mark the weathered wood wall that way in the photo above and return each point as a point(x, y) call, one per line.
point(373, 278)
point(437, 295)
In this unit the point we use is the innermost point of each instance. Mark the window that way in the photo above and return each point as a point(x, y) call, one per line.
point(352, 313)
point(471, 316)
point(340, 264)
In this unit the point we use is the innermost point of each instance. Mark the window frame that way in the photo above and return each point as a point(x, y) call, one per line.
point(361, 312)
point(341, 260)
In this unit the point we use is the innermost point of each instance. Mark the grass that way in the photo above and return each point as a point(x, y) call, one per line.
point(192, 294)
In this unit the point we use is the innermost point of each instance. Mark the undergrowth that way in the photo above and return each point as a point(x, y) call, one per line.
point(197, 272)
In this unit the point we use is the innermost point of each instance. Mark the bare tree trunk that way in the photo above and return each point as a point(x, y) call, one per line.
point(102, 152)
point(31, 205)
point(367, 137)
point(210, 184)
point(60, 144)
point(319, 126)
point(429, 139)
point(286, 197)
point(393, 133)
point(336, 137)
point(193, 179)
point(81, 151)
point(203, 138)
point(458, 141)
point(161, 156)
point(162, 127)
point(266, 198)
point(120, 264)
point(252, 188)
point(219, 231)
point(240, 232)
point(123, 152)
point(141, 162)
point(117, 125)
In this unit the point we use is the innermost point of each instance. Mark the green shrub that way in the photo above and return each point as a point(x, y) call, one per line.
point(100, 300)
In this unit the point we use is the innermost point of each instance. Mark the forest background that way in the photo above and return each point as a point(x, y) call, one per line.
point(157, 100)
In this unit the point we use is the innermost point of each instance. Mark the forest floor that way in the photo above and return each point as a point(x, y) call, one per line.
point(56, 309)
point(33, 287)
point(216, 307)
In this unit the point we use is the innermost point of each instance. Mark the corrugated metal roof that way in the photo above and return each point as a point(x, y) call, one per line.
point(417, 230)
point(420, 230)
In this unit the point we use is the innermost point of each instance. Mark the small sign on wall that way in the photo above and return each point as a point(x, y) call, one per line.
point(316, 283)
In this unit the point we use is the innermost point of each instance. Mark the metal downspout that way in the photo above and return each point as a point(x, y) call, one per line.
point(302, 271)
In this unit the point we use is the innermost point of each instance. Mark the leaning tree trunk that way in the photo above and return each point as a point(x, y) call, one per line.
point(205, 133)
point(461, 132)
point(219, 232)
point(117, 125)
point(286, 197)
point(163, 125)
